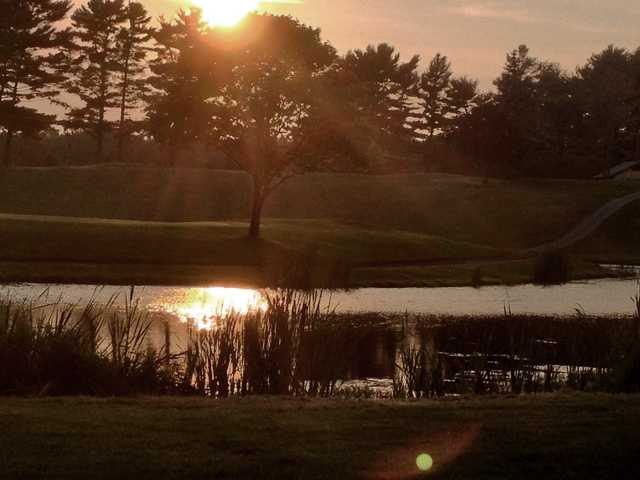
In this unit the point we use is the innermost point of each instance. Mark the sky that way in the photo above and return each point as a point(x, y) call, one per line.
point(474, 34)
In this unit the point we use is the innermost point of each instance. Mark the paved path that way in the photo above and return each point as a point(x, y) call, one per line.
point(582, 231)
point(587, 226)
point(618, 169)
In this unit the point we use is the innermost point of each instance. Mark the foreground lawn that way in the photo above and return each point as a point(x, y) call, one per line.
point(577, 436)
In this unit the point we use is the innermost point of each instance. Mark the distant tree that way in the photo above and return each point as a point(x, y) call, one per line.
point(461, 94)
point(545, 122)
point(635, 102)
point(30, 63)
point(432, 93)
point(462, 98)
point(605, 90)
point(388, 85)
point(516, 99)
point(133, 46)
point(531, 122)
point(481, 135)
point(184, 75)
point(96, 27)
point(558, 136)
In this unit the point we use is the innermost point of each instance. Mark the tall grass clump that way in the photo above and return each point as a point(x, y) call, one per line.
point(55, 348)
point(49, 349)
point(211, 361)
point(519, 354)
point(136, 366)
point(294, 346)
point(627, 377)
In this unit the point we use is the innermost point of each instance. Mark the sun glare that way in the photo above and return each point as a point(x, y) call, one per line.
point(225, 13)
point(204, 307)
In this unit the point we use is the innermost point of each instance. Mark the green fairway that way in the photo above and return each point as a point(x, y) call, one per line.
point(56, 249)
point(36, 248)
point(551, 437)
point(127, 224)
point(500, 213)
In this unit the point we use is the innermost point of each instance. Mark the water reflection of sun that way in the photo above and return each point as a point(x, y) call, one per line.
point(203, 307)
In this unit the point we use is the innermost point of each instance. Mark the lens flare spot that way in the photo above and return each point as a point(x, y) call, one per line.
point(424, 462)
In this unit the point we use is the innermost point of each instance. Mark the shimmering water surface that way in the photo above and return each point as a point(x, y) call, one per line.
point(602, 297)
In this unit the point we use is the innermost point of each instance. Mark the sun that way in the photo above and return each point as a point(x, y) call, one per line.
point(225, 13)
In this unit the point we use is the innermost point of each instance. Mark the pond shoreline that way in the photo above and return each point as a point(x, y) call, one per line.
point(439, 275)
point(606, 296)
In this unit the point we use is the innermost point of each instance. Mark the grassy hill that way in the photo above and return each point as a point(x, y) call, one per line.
point(175, 224)
point(618, 240)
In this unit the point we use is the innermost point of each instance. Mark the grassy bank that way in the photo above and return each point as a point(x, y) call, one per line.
point(577, 436)
point(64, 249)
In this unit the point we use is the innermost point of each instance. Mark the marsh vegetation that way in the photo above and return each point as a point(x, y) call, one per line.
point(294, 344)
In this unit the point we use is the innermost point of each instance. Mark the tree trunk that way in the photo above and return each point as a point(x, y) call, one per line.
point(259, 196)
point(256, 211)
point(8, 141)
point(120, 146)
point(100, 143)
point(101, 110)
point(123, 109)
point(171, 161)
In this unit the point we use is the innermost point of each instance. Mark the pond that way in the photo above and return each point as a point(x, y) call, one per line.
point(597, 297)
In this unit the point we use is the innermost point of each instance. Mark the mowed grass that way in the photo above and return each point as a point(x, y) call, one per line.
point(202, 243)
point(133, 224)
point(618, 240)
point(551, 437)
point(501, 214)
point(38, 248)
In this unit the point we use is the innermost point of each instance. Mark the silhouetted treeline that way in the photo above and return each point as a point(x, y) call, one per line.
point(273, 98)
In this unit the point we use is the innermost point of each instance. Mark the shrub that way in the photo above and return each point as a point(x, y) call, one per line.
point(552, 268)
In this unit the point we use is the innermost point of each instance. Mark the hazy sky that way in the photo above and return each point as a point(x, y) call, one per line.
point(475, 34)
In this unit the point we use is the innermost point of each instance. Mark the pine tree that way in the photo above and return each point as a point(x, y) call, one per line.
point(517, 102)
point(461, 99)
point(133, 47)
point(388, 85)
point(96, 26)
point(183, 72)
point(606, 89)
point(432, 96)
point(31, 65)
